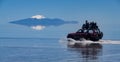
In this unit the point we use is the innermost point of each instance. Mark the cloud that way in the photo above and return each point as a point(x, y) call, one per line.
point(38, 27)
point(39, 22)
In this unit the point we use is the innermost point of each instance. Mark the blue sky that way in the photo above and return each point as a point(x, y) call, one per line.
point(105, 12)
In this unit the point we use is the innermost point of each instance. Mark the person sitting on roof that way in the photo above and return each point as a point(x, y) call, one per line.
point(86, 25)
point(83, 26)
point(91, 25)
point(96, 27)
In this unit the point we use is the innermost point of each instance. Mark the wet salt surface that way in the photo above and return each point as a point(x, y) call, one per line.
point(51, 50)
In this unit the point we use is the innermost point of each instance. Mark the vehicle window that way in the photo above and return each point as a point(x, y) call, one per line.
point(85, 31)
point(96, 30)
point(90, 31)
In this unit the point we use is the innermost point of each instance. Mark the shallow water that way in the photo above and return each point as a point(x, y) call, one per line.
point(51, 50)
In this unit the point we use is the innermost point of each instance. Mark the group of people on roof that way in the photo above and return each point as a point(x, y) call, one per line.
point(90, 25)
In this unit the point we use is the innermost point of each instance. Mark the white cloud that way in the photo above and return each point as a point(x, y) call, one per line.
point(38, 27)
point(38, 16)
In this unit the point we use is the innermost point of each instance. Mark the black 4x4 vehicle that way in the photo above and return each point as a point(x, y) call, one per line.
point(89, 31)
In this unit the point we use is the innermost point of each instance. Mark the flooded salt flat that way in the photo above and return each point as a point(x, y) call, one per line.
point(52, 50)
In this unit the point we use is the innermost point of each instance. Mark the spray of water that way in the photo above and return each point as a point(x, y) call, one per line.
point(70, 41)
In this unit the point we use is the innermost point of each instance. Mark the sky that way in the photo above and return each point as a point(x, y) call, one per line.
point(105, 12)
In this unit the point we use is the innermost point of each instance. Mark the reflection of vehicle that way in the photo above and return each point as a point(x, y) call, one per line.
point(93, 34)
point(89, 53)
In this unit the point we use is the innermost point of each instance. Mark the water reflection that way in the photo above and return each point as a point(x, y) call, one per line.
point(89, 53)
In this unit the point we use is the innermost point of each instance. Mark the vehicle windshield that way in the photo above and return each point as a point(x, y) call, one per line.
point(80, 30)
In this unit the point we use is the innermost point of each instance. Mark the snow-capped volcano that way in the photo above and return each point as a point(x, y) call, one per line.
point(39, 22)
point(38, 17)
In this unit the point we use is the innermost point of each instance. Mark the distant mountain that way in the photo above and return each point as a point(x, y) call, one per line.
point(43, 22)
point(39, 20)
